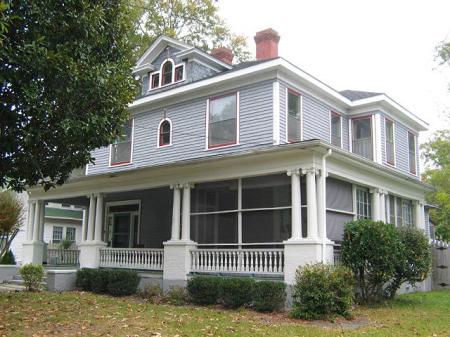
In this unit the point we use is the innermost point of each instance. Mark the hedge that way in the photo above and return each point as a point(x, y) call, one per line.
point(116, 282)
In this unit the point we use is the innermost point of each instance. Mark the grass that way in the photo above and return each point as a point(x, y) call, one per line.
point(85, 314)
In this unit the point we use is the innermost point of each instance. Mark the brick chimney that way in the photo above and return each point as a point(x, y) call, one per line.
point(224, 54)
point(267, 44)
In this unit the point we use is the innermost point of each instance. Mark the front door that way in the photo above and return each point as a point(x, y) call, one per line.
point(123, 225)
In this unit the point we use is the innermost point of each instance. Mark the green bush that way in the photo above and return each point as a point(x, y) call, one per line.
point(8, 258)
point(32, 275)
point(236, 292)
point(99, 280)
point(121, 282)
point(152, 293)
point(322, 291)
point(204, 290)
point(176, 296)
point(268, 296)
point(371, 250)
point(84, 279)
point(415, 262)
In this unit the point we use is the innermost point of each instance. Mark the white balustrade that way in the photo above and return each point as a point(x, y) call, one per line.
point(242, 261)
point(132, 258)
point(63, 257)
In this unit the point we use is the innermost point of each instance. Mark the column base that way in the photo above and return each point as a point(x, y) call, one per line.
point(33, 252)
point(298, 252)
point(90, 253)
point(177, 262)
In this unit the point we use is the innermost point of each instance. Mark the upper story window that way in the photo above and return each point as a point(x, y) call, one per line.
point(120, 151)
point(168, 73)
point(294, 125)
point(336, 134)
point(165, 133)
point(362, 137)
point(390, 142)
point(57, 234)
point(412, 152)
point(222, 120)
point(363, 203)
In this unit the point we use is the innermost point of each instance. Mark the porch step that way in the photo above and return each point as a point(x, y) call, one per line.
point(20, 282)
point(6, 287)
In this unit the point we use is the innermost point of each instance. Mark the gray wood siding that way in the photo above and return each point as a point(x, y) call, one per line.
point(189, 131)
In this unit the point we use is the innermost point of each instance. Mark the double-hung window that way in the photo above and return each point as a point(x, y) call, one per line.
point(294, 125)
point(363, 203)
point(390, 143)
point(335, 123)
point(412, 152)
point(70, 234)
point(57, 234)
point(223, 121)
point(362, 137)
point(407, 213)
point(122, 148)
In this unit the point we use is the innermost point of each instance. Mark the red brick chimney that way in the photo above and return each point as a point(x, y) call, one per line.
point(267, 44)
point(224, 54)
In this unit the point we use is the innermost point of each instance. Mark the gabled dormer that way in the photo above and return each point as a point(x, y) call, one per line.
point(168, 63)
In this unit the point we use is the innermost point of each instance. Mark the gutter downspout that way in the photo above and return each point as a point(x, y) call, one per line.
point(324, 196)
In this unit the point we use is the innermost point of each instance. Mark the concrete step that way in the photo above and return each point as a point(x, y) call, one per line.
point(6, 287)
point(21, 282)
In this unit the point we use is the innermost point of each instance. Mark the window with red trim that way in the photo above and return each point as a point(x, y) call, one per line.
point(294, 117)
point(362, 137)
point(222, 121)
point(167, 70)
point(390, 151)
point(121, 149)
point(179, 73)
point(412, 153)
point(155, 81)
point(165, 133)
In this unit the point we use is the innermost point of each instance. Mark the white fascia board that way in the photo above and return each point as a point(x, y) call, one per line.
point(144, 68)
point(206, 58)
point(157, 46)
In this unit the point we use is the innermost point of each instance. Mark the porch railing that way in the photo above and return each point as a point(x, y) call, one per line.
point(56, 257)
point(132, 258)
point(244, 261)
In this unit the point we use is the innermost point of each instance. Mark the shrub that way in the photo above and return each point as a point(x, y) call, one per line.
point(415, 262)
point(8, 258)
point(32, 275)
point(99, 280)
point(175, 295)
point(371, 249)
point(204, 289)
point(121, 282)
point(84, 279)
point(322, 291)
point(152, 293)
point(236, 292)
point(268, 295)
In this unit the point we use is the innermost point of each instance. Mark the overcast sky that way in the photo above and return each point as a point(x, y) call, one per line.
point(382, 46)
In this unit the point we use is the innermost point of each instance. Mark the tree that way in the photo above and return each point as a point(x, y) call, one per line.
point(11, 217)
point(443, 52)
point(65, 84)
point(195, 22)
point(436, 153)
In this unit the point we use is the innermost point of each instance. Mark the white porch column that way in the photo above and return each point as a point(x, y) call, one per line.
point(311, 203)
point(383, 206)
point(42, 223)
point(419, 215)
point(296, 211)
point(84, 225)
point(186, 213)
point(37, 220)
point(176, 213)
point(375, 204)
point(99, 218)
point(321, 205)
point(33, 249)
point(91, 218)
point(32, 208)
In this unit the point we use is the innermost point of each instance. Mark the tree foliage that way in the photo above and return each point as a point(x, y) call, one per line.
point(436, 153)
point(65, 83)
point(195, 22)
point(443, 52)
point(11, 218)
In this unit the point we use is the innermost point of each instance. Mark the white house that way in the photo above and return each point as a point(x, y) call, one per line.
point(248, 169)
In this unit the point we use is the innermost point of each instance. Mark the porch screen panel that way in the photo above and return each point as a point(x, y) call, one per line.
point(335, 224)
point(266, 226)
point(339, 195)
point(266, 192)
point(214, 228)
point(214, 197)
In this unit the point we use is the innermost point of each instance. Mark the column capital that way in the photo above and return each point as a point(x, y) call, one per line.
point(176, 186)
point(292, 172)
point(188, 185)
point(376, 190)
point(310, 170)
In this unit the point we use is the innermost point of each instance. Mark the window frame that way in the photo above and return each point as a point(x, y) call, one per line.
point(367, 205)
point(298, 94)
point(158, 135)
point(74, 233)
point(352, 133)
point(111, 164)
point(208, 108)
point(160, 74)
point(336, 114)
point(53, 233)
point(394, 153)
point(414, 136)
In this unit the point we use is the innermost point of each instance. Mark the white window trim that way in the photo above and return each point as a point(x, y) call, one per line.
point(207, 148)
point(287, 113)
point(75, 233)
point(123, 203)
point(415, 173)
point(53, 233)
point(182, 64)
point(350, 128)
point(159, 132)
point(332, 112)
point(394, 141)
point(132, 148)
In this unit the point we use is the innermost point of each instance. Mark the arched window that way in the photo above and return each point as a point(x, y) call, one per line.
point(167, 71)
point(165, 132)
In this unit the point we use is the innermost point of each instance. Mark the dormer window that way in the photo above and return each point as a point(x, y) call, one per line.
point(169, 73)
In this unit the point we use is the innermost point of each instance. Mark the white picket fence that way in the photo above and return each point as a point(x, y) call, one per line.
point(132, 258)
point(244, 261)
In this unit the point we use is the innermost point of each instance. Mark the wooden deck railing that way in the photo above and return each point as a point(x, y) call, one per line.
point(132, 258)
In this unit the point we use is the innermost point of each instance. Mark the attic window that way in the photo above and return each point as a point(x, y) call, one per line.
point(169, 73)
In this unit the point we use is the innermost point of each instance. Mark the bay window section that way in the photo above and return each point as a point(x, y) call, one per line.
point(294, 126)
point(412, 152)
point(390, 151)
point(362, 137)
point(336, 137)
point(120, 151)
point(222, 121)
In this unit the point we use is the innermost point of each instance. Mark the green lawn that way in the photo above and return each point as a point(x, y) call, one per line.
point(85, 314)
